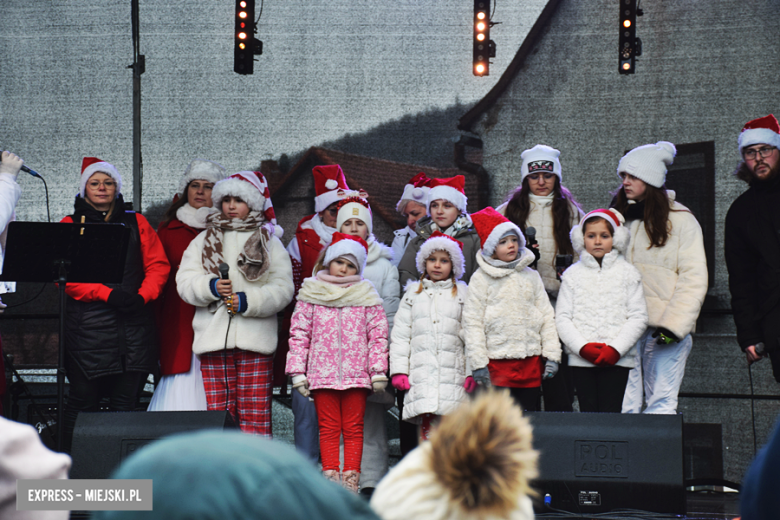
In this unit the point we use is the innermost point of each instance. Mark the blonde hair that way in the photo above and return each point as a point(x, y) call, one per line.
point(452, 275)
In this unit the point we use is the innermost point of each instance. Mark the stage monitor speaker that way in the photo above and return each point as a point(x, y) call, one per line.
point(102, 441)
point(601, 462)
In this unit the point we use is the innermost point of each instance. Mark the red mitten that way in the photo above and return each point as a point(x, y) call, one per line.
point(469, 384)
point(608, 357)
point(591, 351)
point(401, 382)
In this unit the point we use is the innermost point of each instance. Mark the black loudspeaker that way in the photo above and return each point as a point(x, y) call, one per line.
point(601, 462)
point(102, 441)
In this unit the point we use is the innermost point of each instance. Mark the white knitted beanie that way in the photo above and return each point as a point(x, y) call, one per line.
point(648, 162)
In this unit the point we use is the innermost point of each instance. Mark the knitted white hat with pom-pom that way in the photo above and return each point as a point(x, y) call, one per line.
point(648, 162)
point(620, 233)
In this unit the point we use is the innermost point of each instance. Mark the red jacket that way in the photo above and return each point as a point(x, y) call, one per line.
point(309, 245)
point(174, 317)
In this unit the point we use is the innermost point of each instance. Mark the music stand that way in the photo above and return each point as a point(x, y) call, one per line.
point(62, 253)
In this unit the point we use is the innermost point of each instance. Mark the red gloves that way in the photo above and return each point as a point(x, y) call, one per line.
point(401, 382)
point(591, 351)
point(469, 384)
point(607, 357)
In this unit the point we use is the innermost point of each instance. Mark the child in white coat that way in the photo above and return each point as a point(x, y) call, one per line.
point(235, 320)
point(508, 322)
point(601, 311)
point(427, 355)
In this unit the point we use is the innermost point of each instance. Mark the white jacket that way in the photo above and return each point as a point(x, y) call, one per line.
point(601, 304)
point(9, 196)
point(381, 272)
point(401, 239)
point(426, 346)
point(675, 275)
point(540, 217)
point(508, 314)
point(253, 330)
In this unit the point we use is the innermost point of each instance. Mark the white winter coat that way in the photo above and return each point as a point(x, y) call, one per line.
point(401, 239)
point(601, 304)
point(253, 330)
point(675, 275)
point(381, 272)
point(508, 314)
point(426, 346)
point(540, 217)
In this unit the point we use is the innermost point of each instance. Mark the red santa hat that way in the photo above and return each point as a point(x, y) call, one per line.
point(764, 130)
point(491, 226)
point(452, 189)
point(438, 241)
point(415, 191)
point(252, 188)
point(329, 186)
point(201, 170)
point(620, 234)
point(347, 245)
point(92, 165)
point(354, 207)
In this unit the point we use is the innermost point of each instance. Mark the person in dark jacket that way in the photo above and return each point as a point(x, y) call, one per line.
point(752, 243)
point(110, 336)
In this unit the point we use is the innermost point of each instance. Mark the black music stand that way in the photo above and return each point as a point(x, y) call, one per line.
point(61, 253)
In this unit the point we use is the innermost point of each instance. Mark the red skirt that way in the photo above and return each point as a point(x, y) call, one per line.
point(516, 373)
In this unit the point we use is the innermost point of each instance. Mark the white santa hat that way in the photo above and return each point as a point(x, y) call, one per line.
point(415, 191)
point(451, 189)
point(491, 226)
point(344, 245)
point(354, 207)
point(252, 188)
point(620, 234)
point(92, 165)
point(648, 162)
point(764, 130)
point(541, 159)
point(201, 170)
point(438, 241)
point(330, 186)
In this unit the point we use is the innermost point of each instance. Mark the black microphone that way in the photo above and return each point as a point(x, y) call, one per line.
point(30, 171)
point(223, 271)
point(530, 241)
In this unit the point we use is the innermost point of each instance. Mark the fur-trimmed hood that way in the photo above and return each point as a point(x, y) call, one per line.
point(526, 259)
point(195, 218)
point(318, 292)
point(620, 239)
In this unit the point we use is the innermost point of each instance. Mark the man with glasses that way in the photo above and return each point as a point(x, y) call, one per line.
point(752, 243)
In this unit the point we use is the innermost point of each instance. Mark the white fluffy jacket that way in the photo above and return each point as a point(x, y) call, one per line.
point(508, 314)
point(426, 346)
point(540, 217)
point(601, 304)
point(253, 330)
point(381, 272)
point(675, 275)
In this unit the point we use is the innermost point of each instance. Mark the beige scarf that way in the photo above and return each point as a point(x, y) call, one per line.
point(253, 260)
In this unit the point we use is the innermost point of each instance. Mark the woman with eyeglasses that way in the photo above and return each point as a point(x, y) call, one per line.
point(110, 336)
point(543, 203)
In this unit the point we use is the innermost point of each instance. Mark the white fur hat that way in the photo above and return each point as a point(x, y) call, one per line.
point(92, 165)
point(441, 242)
point(201, 169)
point(342, 245)
point(648, 162)
point(620, 234)
point(354, 207)
point(252, 188)
point(541, 159)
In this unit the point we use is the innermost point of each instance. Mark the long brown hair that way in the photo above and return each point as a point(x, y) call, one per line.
point(178, 202)
point(519, 206)
point(656, 215)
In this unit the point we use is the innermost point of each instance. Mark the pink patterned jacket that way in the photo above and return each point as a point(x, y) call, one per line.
point(338, 335)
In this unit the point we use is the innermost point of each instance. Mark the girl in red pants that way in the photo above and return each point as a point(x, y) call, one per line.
point(338, 351)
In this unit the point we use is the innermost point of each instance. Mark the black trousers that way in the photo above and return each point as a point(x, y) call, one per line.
point(558, 392)
point(600, 389)
point(526, 398)
point(84, 395)
point(408, 431)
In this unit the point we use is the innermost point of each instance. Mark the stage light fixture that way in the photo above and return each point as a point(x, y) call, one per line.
point(627, 40)
point(246, 46)
point(483, 47)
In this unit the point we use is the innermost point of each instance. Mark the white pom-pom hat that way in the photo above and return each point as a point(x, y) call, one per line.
point(415, 191)
point(441, 242)
point(648, 162)
point(620, 233)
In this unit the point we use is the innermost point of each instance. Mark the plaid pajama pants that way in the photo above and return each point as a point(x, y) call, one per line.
point(239, 381)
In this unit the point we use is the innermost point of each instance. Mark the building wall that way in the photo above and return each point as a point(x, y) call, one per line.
point(707, 68)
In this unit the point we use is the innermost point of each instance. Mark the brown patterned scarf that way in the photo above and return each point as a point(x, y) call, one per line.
point(253, 260)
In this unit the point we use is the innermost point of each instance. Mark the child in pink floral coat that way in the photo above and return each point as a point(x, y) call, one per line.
point(338, 351)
